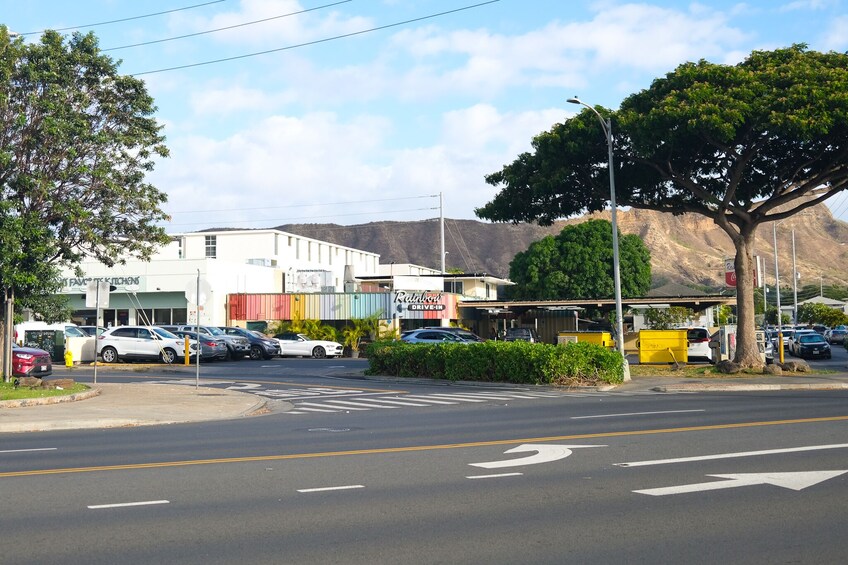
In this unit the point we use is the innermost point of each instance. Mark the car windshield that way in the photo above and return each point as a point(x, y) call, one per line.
point(164, 333)
point(214, 331)
point(814, 338)
point(73, 331)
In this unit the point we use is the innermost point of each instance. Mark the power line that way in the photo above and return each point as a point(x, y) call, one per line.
point(317, 41)
point(226, 28)
point(130, 18)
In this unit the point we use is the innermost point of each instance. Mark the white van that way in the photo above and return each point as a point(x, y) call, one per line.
point(71, 330)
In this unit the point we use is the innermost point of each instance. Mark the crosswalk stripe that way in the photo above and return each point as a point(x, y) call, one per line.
point(365, 403)
point(401, 403)
point(459, 398)
point(428, 399)
point(327, 405)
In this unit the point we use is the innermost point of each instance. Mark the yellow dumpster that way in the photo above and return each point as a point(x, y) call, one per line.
point(599, 338)
point(663, 346)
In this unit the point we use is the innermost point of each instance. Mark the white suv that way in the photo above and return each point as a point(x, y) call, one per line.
point(141, 342)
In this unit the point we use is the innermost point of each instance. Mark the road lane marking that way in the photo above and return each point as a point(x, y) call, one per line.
point(324, 489)
point(26, 450)
point(732, 455)
point(328, 404)
point(364, 402)
point(401, 402)
point(428, 399)
point(794, 481)
point(545, 453)
point(127, 504)
point(634, 414)
point(416, 448)
point(494, 476)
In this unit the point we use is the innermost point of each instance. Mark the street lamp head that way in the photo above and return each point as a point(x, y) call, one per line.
point(574, 100)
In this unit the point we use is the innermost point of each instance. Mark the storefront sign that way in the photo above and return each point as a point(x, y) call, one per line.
point(79, 284)
point(419, 301)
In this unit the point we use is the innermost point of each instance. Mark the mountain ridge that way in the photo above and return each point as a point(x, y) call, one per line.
point(685, 249)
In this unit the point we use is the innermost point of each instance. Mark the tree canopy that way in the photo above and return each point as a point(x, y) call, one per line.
point(741, 144)
point(76, 141)
point(577, 263)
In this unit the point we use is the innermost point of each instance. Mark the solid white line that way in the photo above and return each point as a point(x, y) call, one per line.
point(494, 476)
point(635, 414)
point(732, 455)
point(125, 504)
point(33, 449)
point(322, 489)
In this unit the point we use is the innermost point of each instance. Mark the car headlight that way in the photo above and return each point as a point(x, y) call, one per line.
point(25, 356)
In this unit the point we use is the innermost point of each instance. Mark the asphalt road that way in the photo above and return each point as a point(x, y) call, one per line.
point(589, 478)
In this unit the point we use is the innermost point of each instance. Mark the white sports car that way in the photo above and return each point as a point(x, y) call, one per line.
point(292, 344)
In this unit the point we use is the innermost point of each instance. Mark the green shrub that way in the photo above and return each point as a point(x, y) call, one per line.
point(497, 361)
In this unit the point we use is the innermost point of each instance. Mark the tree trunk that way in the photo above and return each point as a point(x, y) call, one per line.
point(747, 352)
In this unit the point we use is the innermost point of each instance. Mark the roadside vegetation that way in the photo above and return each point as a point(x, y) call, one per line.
point(573, 364)
point(9, 392)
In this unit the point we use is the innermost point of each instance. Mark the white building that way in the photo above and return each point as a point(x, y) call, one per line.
point(226, 262)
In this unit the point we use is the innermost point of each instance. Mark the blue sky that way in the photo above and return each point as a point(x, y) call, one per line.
point(373, 126)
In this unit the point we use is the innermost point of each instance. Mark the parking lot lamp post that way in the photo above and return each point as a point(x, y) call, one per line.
point(777, 292)
point(619, 317)
point(794, 283)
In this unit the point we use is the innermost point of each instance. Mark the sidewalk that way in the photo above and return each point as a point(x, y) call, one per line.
point(145, 404)
point(133, 404)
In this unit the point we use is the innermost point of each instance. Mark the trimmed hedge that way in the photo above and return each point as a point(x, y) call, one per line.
point(498, 361)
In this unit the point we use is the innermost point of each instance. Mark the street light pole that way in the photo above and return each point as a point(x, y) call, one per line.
point(777, 292)
point(616, 272)
point(794, 283)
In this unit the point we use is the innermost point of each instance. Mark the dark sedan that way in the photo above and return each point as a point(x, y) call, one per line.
point(31, 362)
point(211, 348)
point(811, 346)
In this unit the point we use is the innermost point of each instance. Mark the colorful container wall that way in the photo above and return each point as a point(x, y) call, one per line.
point(336, 306)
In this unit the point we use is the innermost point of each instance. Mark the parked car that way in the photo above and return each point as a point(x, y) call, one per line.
point(141, 342)
point(792, 345)
point(432, 336)
point(211, 348)
point(92, 331)
point(698, 343)
point(521, 334)
point(261, 346)
point(811, 345)
point(294, 344)
point(835, 336)
point(30, 362)
point(237, 346)
point(461, 332)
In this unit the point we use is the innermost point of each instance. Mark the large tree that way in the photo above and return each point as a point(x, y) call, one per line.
point(577, 263)
point(740, 144)
point(76, 141)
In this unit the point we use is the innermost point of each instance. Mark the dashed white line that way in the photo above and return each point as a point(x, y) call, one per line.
point(324, 489)
point(126, 504)
point(33, 449)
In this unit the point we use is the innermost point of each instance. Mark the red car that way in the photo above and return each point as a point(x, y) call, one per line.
point(30, 362)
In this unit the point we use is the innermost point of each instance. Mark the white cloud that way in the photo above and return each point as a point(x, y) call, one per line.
point(835, 37)
point(234, 99)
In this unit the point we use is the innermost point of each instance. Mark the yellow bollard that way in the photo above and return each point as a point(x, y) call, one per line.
point(187, 352)
point(69, 358)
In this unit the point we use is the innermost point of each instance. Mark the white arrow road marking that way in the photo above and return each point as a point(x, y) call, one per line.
point(794, 481)
point(545, 454)
point(732, 455)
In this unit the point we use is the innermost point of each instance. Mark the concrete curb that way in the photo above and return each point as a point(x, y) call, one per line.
point(23, 402)
point(752, 387)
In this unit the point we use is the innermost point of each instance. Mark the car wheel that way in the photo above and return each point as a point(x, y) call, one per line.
point(229, 354)
point(319, 353)
point(109, 355)
point(255, 352)
point(168, 356)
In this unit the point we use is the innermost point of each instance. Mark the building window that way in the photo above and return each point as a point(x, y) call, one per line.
point(276, 244)
point(211, 246)
point(454, 286)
